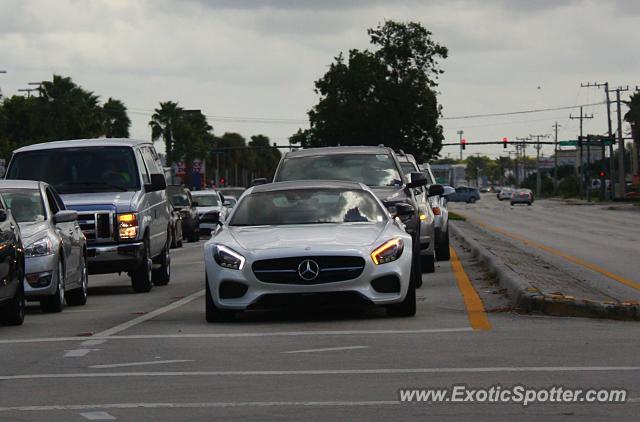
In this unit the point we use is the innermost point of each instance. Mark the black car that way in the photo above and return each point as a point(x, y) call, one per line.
point(181, 200)
point(376, 167)
point(11, 270)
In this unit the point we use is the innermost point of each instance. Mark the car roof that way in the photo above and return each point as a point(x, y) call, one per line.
point(203, 192)
point(338, 150)
point(20, 184)
point(308, 184)
point(79, 143)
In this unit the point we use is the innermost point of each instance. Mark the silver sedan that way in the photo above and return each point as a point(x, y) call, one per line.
point(55, 248)
point(306, 242)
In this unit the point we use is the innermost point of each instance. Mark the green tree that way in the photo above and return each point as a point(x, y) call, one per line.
point(116, 122)
point(265, 157)
point(163, 125)
point(386, 96)
point(192, 138)
point(633, 116)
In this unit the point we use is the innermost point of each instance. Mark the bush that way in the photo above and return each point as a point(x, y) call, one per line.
point(569, 187)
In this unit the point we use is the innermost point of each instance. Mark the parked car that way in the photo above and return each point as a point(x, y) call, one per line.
point(211, 209)
point(117, 187)
point(230, 201)
point(441, 216)
point(505, 194)
point(175, 225)
point(11, 269)
point(464, 194)
point(427, 219)
point(182, 200)
point(375, 167)
point(280, 247)
point(522, 196)
point(55, 248)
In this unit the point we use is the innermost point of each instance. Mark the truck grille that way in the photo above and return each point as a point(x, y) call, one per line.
point(97, 226)
point(285, 270)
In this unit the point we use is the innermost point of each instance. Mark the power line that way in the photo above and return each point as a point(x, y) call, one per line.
point(511, 113)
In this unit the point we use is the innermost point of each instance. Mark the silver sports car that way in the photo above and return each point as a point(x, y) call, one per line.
point(309, 242)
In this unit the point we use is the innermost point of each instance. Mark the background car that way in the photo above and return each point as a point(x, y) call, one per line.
point(176, 227)
point(235, 191)
point(522, 196)
point(464, 194)
point(11, 269)
point(55, 248)
point(505, 194)
point(441, 216)
point(210, 207)
point(305, 242)
point(230, 201)
point(182, 200)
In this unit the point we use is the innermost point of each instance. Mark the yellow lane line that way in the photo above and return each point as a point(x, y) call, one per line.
point(556, 252)
point(475, 309)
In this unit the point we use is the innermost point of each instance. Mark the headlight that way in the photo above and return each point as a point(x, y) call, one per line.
point(423, 217)
point(40, 247)
point(128, 226)
point(228, 258)
point(387, 252)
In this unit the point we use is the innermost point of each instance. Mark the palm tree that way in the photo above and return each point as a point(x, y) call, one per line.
point(163, 125)
point(633, 118)
point(116, 121)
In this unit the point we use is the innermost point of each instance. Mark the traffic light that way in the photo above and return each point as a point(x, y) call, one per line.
point(463, 143)
point(505, 141)
point(603, 173)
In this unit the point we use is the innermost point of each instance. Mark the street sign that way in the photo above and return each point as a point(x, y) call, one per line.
point(568, 143)
point(584, 143)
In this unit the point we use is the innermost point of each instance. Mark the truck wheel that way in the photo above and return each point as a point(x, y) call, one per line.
point(141, 276)
point(12, 313)
point(442, 246)
point(55, 302)
point(428, 264)
point(212, 312)
point(162, 275)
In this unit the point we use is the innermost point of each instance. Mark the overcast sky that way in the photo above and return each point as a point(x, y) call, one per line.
point(259, 59)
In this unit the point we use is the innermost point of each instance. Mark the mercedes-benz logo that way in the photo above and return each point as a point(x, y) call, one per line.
point(308, 270)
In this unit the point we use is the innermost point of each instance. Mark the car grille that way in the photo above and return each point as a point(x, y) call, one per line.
point(285, 270)
point(210, 217)
point(97, 226)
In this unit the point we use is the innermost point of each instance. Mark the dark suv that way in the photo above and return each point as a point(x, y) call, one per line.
point(376, 167)
point(180, 198)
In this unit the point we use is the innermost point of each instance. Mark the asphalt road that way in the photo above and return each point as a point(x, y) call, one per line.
point(153, 357)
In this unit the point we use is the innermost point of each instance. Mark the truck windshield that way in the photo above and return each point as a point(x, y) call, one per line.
point(79, 170)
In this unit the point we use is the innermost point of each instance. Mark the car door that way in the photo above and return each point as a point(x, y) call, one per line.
point(6, 254)
point(66, 233)
point(159, 208)
point(76, 237)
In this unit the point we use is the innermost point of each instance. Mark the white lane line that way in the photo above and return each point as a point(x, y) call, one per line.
point(92, 342)
point(78, 353)
point(377, 371)
point(153, 362)
point(195, 405)
point(240, 335)
point(97, 416)
point(327, 349)
point(139, 320)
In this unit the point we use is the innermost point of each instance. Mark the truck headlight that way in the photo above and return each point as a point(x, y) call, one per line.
point(228, 258)
point(127, 226)
point(387, 252)
point(40, 247)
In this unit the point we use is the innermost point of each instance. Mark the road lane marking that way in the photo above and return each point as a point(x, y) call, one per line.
point(241, 335)
point(97, 416)
point(92, 342)
point(305, 372)
point(139, 320)
point(153, 362)
point(327, 349)
point(79, 353)
point(475, 308)
point(553, 251)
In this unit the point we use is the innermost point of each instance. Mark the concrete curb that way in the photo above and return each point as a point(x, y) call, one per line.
point(529, 299)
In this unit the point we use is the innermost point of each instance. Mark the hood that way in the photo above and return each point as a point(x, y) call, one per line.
point(117, 201)
point(301, 236)
point(202, 210)
point(28, 230)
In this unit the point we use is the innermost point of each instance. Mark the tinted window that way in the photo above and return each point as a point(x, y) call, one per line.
point(210, 200)
point(79, 170)
point(307, 206)
point(369, 169)
point(408, 168)
point(25, 204)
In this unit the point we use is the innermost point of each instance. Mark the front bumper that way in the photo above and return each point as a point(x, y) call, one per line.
point(257, 290)
point(40, 273)
point(112, 258)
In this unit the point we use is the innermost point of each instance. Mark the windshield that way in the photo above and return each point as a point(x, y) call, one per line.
point(307, 206)
point(210, 200)
point(180, 200)
point(79, 170)
point(370, 169)
point(25, 205)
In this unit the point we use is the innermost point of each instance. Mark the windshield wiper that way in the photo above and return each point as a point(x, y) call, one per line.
point(106, 184)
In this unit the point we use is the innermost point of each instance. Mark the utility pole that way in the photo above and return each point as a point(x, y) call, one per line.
point(538, 175)
point(460, 133)
point(523, 161)
point(555, 159)
point(2, 71)
point(621, 171)
point(603, 186)
point(582, 117)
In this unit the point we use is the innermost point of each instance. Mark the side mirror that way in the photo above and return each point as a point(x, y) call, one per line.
point(436, 190)
point(417, 180)
point(448, 190)
point(158, 183)
point(227, 203)
point(3, 216)
point(259, 181)
point(66, 216)
point(400, 209)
